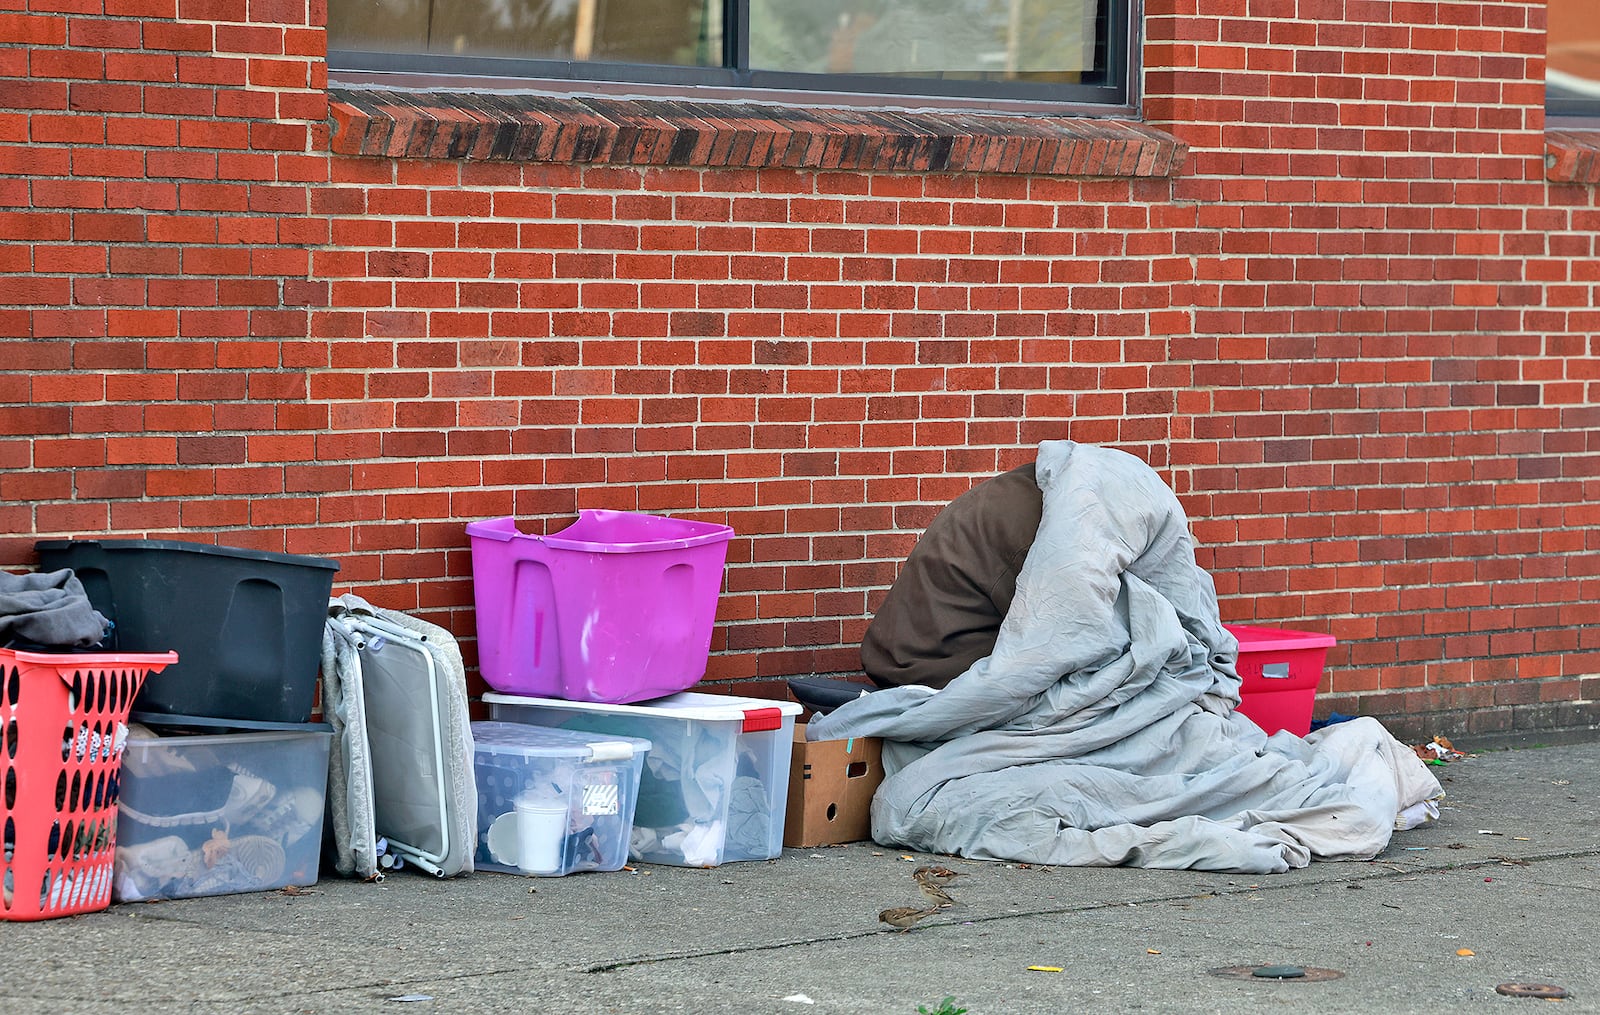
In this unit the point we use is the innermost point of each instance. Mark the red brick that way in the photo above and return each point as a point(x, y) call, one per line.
point(280, 74)
point(68, 194)
point(212, 70)
point(103, 33)
point(69, 323)
point(222, 197)
point(85, 97)
point(34, 30)
point(213, 134)
point(66, 63)
point(34, 95)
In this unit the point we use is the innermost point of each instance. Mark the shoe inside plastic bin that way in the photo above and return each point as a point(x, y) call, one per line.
point(209, 809)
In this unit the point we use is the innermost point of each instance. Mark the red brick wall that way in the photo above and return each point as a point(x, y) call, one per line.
point(157, 160)
point(1356, 332)
point(1395, 387)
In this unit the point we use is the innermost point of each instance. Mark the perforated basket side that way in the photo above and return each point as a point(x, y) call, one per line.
point(64, 721)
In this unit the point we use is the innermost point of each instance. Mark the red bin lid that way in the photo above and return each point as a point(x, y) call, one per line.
point(1277, 639)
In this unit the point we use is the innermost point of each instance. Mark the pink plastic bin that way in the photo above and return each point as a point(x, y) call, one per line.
point(64, 719)
point(615, 608)
point(1281, 670)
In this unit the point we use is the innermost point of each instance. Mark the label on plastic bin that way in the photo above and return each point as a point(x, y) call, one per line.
point(600, 798)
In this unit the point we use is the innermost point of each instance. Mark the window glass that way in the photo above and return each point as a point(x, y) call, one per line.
point(682, 32)
point(1010, 40)
point(1572, 68)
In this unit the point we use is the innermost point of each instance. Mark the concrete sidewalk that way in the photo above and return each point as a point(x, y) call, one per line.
point(1509, 874)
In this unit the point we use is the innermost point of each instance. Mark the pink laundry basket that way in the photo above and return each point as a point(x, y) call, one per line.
point(615, 608)
point(64, 722)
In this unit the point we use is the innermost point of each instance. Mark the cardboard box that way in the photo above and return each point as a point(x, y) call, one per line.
point(831, 783)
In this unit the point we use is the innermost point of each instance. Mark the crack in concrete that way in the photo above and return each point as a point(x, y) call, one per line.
point(1394, 873)
point(1237, 890)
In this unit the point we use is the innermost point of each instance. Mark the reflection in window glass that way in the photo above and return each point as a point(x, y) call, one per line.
point(681, 32)
point(1010, 40)
point(1572, 68)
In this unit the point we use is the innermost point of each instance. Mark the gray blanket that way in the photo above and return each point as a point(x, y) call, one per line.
point(1101, 730)
point(49, 609)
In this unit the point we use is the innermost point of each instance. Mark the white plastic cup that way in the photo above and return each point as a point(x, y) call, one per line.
point(541, 831)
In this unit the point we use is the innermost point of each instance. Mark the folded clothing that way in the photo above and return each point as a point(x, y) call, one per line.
point(48, 610)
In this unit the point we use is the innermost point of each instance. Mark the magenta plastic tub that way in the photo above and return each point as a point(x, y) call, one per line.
point(617, 607)
point(1280, 670)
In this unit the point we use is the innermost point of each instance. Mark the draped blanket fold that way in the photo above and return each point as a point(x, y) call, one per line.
point(1101, 730)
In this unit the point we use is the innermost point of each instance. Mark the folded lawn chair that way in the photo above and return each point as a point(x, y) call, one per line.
point(394, 689)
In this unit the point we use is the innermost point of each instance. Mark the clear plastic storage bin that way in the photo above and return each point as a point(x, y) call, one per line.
point(552, 801)
point(716, 782)
point(220, 813)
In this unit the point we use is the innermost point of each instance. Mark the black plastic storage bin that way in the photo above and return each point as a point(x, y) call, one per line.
point(246, 624)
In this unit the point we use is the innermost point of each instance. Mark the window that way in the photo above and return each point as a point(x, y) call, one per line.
point(1572, 69)
point(1072, 51)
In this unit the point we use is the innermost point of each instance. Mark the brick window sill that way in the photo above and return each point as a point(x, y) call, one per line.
point(1572, 156)
point(655, 132)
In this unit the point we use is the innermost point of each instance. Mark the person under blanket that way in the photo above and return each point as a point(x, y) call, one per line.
point(943, 612)
point(1098, 725)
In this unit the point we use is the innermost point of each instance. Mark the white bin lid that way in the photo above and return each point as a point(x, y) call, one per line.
point(546, 742)
point(754, 713)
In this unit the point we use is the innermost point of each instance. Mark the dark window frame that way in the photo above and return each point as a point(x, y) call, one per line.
point(1122, 43)
point(1572, 108)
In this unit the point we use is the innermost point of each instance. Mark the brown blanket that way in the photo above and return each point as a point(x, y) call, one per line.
point(944, 610)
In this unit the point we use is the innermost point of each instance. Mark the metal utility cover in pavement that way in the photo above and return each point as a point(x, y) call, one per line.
point(1543, 990)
